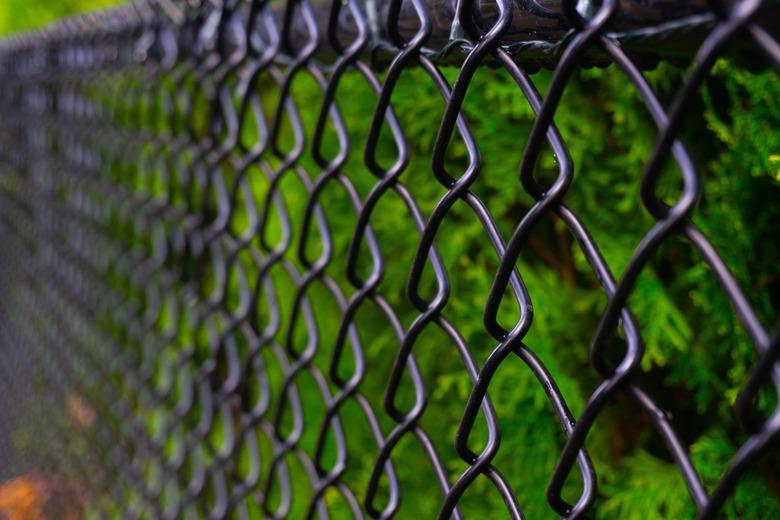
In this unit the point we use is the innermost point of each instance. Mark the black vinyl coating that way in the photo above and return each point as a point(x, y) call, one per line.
point(106, 273)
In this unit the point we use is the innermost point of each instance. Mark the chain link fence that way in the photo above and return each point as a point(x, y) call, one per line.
point(207, 312)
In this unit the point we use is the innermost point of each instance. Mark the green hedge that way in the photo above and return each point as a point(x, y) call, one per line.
point(697, 355)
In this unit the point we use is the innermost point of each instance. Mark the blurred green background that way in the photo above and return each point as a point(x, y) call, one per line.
point(698, 356)
point(20, 15)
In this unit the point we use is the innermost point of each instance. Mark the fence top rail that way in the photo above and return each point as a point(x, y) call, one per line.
point(649, 31)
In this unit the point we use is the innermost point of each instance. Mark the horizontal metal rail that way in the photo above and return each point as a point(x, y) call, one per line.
point(538, 32)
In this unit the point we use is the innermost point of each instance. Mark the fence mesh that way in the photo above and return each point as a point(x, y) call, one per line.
point(209, 307)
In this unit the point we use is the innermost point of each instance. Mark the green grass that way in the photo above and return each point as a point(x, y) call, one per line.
point(22, 15)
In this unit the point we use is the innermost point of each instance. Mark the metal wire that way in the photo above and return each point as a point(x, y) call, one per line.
point(129, 285)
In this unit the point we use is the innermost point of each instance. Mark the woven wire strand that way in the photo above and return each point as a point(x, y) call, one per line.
point(135, 184)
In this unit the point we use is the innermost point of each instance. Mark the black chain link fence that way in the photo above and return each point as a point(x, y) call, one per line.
point(177, 296)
